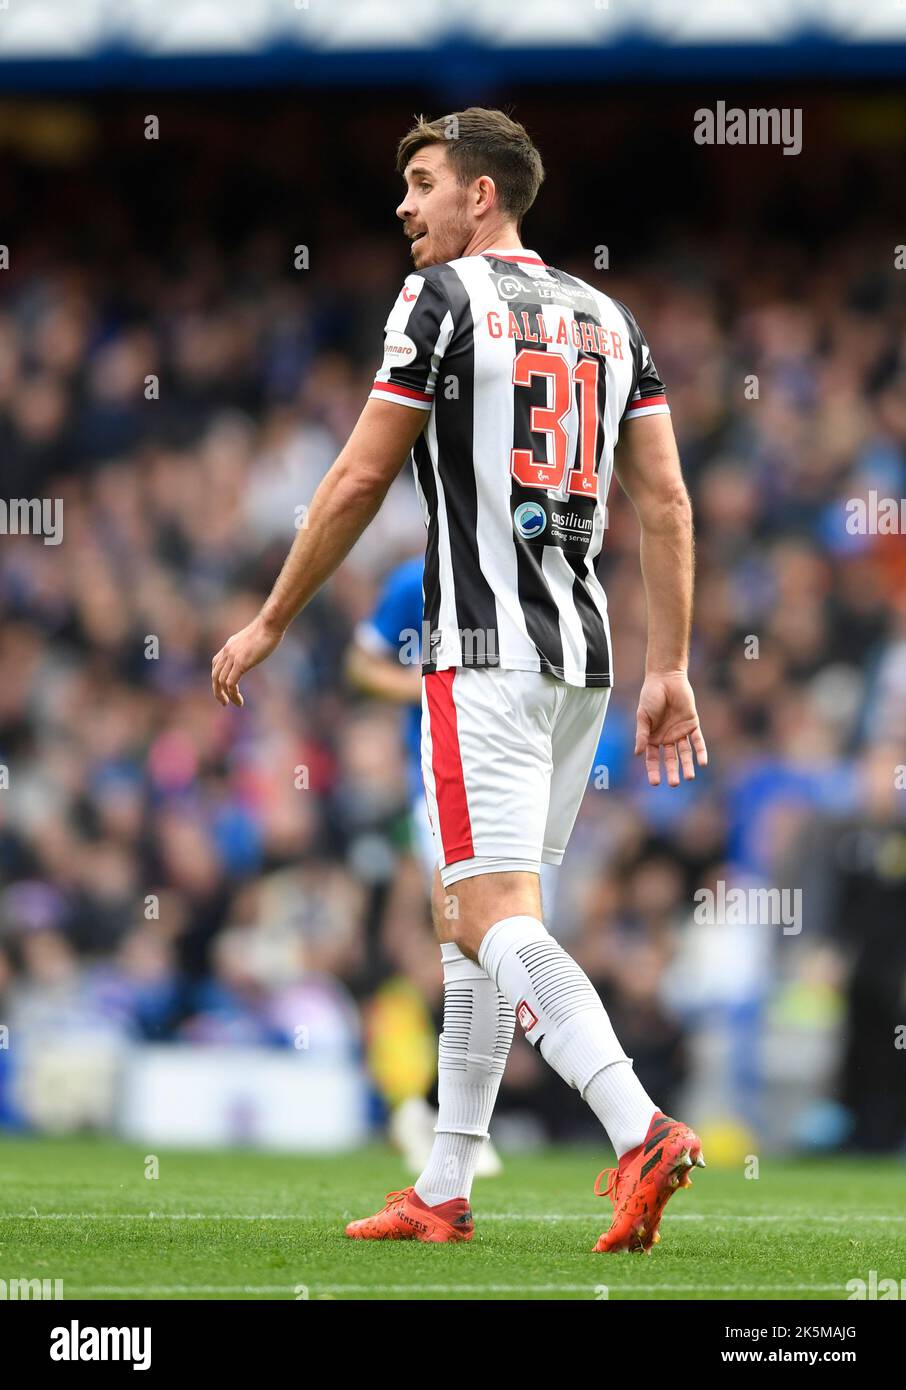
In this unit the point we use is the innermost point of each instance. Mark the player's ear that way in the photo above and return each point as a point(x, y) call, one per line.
point(485, 191)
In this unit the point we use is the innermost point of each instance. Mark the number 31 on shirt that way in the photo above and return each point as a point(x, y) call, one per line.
point(525, 466)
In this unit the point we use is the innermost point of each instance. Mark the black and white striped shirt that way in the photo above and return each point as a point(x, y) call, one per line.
point(528, 374)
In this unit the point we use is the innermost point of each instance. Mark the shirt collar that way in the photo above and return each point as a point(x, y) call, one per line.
point(520, 254)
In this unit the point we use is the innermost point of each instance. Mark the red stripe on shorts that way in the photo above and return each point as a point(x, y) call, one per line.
point(446, 764)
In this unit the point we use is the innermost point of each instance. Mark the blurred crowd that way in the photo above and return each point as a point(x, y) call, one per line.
point(172, 870)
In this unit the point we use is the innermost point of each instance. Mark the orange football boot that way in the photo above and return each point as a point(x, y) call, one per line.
point(406, 1217)
point(644, 1182)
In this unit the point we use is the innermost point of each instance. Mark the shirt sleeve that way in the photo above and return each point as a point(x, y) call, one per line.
point(648, 396)
point(416, 336)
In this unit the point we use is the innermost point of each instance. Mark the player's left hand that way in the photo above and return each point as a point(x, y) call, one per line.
point(245, 649)
point(667, 718)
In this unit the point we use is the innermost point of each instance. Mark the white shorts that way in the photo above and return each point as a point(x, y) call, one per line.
point(506, 757)
point(425, 851)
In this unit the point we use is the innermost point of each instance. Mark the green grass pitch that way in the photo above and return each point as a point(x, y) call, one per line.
point(246, 1225)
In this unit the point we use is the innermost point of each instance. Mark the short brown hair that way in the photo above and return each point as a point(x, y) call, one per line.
point(481, 141)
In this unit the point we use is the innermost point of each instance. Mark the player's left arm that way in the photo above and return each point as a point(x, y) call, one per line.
point(648, 467)
point(347, 499)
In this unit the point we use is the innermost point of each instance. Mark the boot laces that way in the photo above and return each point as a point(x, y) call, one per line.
point(394, 1198)
point(613, 1177)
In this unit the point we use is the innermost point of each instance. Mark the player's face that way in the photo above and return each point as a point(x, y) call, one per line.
point(434, 210)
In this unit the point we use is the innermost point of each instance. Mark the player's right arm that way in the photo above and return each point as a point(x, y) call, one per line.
point(648, 467)
point(347, 499)
point(415, 338)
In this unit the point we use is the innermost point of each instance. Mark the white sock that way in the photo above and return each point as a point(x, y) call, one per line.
point(450, 1169)
point(621, 1103)
point(474, 1045)
point(563, 1017)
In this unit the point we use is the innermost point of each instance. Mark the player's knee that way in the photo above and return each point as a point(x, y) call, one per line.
point(451, 922)
point(467, 935)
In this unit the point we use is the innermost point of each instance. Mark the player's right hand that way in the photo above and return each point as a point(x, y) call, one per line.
point(245, 649)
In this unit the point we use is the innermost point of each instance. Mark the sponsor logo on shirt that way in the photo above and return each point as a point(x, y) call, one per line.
point(548, 522)
point(398, 350)
point(529, 519)
point(535, 289)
